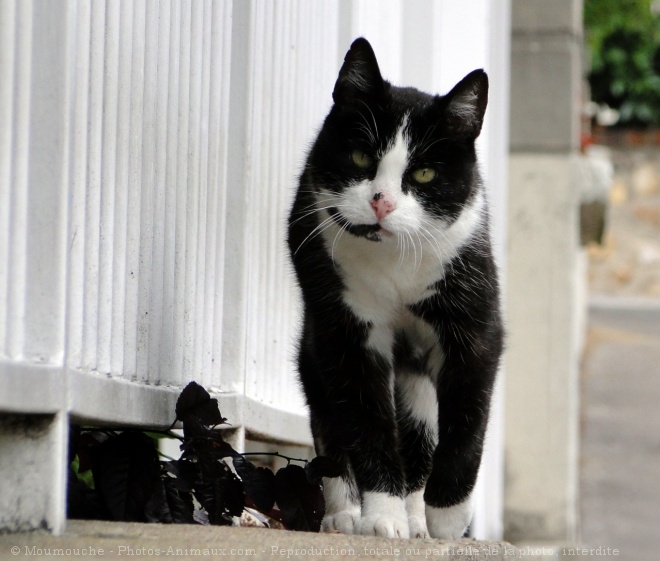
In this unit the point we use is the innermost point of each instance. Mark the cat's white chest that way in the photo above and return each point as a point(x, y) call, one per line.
point(382, 277)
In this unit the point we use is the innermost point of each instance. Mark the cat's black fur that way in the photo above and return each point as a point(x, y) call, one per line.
point(359, 394)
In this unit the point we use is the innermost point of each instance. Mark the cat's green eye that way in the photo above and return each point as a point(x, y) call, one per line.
point(423, 175)
point(361, 160)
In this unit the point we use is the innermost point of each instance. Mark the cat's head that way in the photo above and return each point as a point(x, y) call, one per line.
point(390, 161)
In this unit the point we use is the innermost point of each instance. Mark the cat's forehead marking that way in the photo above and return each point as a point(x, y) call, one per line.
point(394, 161)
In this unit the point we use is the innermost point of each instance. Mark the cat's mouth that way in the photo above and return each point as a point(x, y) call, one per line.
point(371, 232)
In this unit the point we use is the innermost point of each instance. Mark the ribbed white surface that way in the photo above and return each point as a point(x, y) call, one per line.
point(295, 57)
point(146, 221)
point(118, 259)
point(32, 166)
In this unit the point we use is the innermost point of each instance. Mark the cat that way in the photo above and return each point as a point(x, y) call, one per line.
point(402, 331)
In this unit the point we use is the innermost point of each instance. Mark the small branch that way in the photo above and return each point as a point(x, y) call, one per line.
point(276, 454)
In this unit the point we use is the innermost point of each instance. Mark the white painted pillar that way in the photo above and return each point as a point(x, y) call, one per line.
point(33, 464)
point(35, 39)
point(545, 280)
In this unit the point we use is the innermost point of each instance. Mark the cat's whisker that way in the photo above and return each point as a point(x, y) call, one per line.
point(309, 213)
point(399, 244)
point(374, 132)
point(432, 242)
point(317, 202)
point(414, 247)
point(421, 252)
point(315, 232)
point(402, 243)
point(427, 226)
point(430, 144)
point(318, 209)
point(338, 235)
point(447, 248)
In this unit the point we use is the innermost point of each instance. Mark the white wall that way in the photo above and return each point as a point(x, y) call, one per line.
point(148, 156)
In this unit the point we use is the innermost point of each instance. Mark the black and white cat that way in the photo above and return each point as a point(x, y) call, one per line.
point(402, 332)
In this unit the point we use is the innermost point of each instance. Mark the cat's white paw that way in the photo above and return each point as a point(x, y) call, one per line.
point(341, 513)
point(449, 523)
point(383, 515)
point(416, 510)
point(417, 527)
point(344, 521)
point(384, 525)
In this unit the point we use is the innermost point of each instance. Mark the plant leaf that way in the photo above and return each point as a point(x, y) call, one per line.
point(180, 502)
point(195, 401)
point(82, 502)
point(300, 502)
point(219, 491)
point(321, 467)
point(259, 483)
point(126, 474)
point(202, 441)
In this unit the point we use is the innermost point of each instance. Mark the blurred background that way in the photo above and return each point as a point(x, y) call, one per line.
point(588, 299)
point(620, 448)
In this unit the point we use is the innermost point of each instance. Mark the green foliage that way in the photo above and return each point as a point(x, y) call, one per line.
point(623, 37)
point(85, 476)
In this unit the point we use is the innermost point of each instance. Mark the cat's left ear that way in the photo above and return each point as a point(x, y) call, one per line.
point(359, 75)
point(466, 105)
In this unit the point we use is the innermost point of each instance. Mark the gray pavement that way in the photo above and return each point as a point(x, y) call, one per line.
point(116, 540)
point(620, 448)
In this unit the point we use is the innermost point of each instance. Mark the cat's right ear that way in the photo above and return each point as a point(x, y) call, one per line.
point(466, 105)
point(359, 75)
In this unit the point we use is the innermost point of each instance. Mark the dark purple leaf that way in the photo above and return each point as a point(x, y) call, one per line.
point(85, 443)
point(195, 401)
point(157, 509)
point(301, 502)
point(320, 467)
point(219, 491)
point(259, 483)
point(180, 473)
point(207, 443)
point(126, 473)
point(230, 496)
point(180, 502)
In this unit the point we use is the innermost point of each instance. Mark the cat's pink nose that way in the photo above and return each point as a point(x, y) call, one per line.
point(382, 205)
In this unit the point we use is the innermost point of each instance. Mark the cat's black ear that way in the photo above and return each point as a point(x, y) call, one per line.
point(466, 105)
point(359, 75)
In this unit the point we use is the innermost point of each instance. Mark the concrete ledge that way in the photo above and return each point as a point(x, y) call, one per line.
point(18, 382)
point(115, 540)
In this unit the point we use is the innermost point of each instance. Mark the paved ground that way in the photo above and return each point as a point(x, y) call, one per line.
point(114, 540)
point(620, 468)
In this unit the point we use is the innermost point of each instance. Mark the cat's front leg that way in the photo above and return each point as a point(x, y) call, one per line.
point(349, 388)
point(463, 399)
point(465, 385)
point(416, 510)
point(342, 504)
